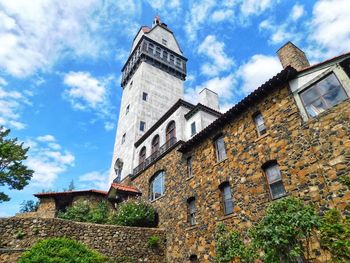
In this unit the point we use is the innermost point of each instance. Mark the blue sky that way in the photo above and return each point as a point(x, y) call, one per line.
point(60, 65)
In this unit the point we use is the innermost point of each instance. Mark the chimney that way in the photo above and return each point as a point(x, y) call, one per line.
point(209, 98)
point(290, 55)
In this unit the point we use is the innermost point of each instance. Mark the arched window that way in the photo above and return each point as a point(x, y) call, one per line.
point(155, 144)
point(142, 156)
point(171, 133)
point(193, 259)
point(226, 197)
point(156, 185)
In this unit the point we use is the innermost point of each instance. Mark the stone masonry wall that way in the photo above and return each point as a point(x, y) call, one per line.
point(112, 241)
point(311, 156)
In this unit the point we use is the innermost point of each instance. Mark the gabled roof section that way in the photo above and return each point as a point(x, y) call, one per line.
point(166, 115)
point(77, 192)
point(277, 81)
point(201, 107)
point(125, 188)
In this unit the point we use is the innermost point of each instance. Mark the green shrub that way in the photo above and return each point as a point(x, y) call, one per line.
point(20, 234)
point(61, 250)
point(335, 235)
point(153, 241)
point(135, 213)
point(84, 211)
point(229, 245)
point(285, 230)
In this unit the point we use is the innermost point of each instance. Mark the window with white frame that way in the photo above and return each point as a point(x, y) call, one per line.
point(322, 95)
point(157, 185)
point(274, 180)
point(259, 123)
point(220, 149)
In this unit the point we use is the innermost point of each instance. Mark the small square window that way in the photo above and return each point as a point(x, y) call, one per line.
point(123, 138)
point(220, 149)
point(193, 128)
point(260, 124)
point(142, 126)
point(323, 95)
point(145, 96)
point(164, 41)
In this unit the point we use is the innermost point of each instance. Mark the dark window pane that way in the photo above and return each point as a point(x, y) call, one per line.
point(220, 149)
point(277, 189)
point(228, 207)
point(336, 95)
point(273, 173)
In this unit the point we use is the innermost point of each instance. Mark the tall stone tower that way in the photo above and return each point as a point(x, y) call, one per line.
point(152, 81)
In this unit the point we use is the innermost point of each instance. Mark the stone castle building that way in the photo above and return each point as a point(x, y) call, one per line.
point(198, 167)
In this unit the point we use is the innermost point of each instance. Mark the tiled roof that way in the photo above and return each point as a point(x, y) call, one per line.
point(325, 62)
point(92, 191)
point(125, 188)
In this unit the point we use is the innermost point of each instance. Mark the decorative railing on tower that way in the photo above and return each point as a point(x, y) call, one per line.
point(154, 156)
point(157, 55)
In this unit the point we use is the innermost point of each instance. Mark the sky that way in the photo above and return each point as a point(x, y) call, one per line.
point(60, 69)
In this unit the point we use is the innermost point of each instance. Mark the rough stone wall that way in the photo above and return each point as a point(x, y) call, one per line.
point(47, 208)
point(112, 241)
point(311, 156)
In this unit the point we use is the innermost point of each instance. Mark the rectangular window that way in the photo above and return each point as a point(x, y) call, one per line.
point(178, 63)
point(150, 48)
point(323, 95)
point(191, 211)
point(144, 96)
point(127, 109)
point(259, 123)
point(193, 128)
point(158, 51)
point(189, 167)
point(165, 55)
point(172, 59)
point(123, 138)
point(142, 126)
point(227, 199)
point(274, 180)
point(164, 41)
point(220, 149)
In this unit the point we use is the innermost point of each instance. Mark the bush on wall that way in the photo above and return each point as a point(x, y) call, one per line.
point(53, 250)
point(135, 213)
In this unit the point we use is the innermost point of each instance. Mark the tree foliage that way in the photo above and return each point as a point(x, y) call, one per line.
point(135, 213)
point(29, 206)
point(12, 171)
point(84, 211)
point(64, 250)
point(229, 245)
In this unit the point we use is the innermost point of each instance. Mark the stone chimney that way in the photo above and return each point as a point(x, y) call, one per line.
point(290, 55)
point(209, 98)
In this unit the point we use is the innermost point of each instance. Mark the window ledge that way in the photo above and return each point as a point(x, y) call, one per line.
point(226, 217)
point(262, 136)
point(189, 178)
point(282, 196)
point(152, 201)
point(191, 227)
point(222, 161)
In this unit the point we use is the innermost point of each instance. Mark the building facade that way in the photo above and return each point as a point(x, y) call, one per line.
point(291, 136)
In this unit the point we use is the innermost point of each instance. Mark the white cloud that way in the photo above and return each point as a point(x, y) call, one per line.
point(330, 27)
point(222, 15)
point(297, 12)
point(257, 71)
point(34, 34)
point(255, 7)
point(47, 162)
point(214, 49)
point(94, 179)
point(90, 94)
point(11, 105)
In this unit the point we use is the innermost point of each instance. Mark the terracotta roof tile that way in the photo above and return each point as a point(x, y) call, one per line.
point(71, 192)
point(125, 188)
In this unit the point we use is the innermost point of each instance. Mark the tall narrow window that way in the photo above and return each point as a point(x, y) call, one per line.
point(227, 198)
point(259, 123)
point(157, 185)
point(189, 167)
point(165, 55)
point(170, 133)
point(220, 149)
point(150, 48)
point(274, 180)
point(155, 144)
point(142, 126)
point(158, 51)
point(142, 156)
point(178, 63)
point(164, 41)
point(193, 259)
point(323, 95)
point(144, 96)
point(172, 59)
point(131, 83)
point(127, 109)
point(191, 211)
point(123, 138)
point(193, 128)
